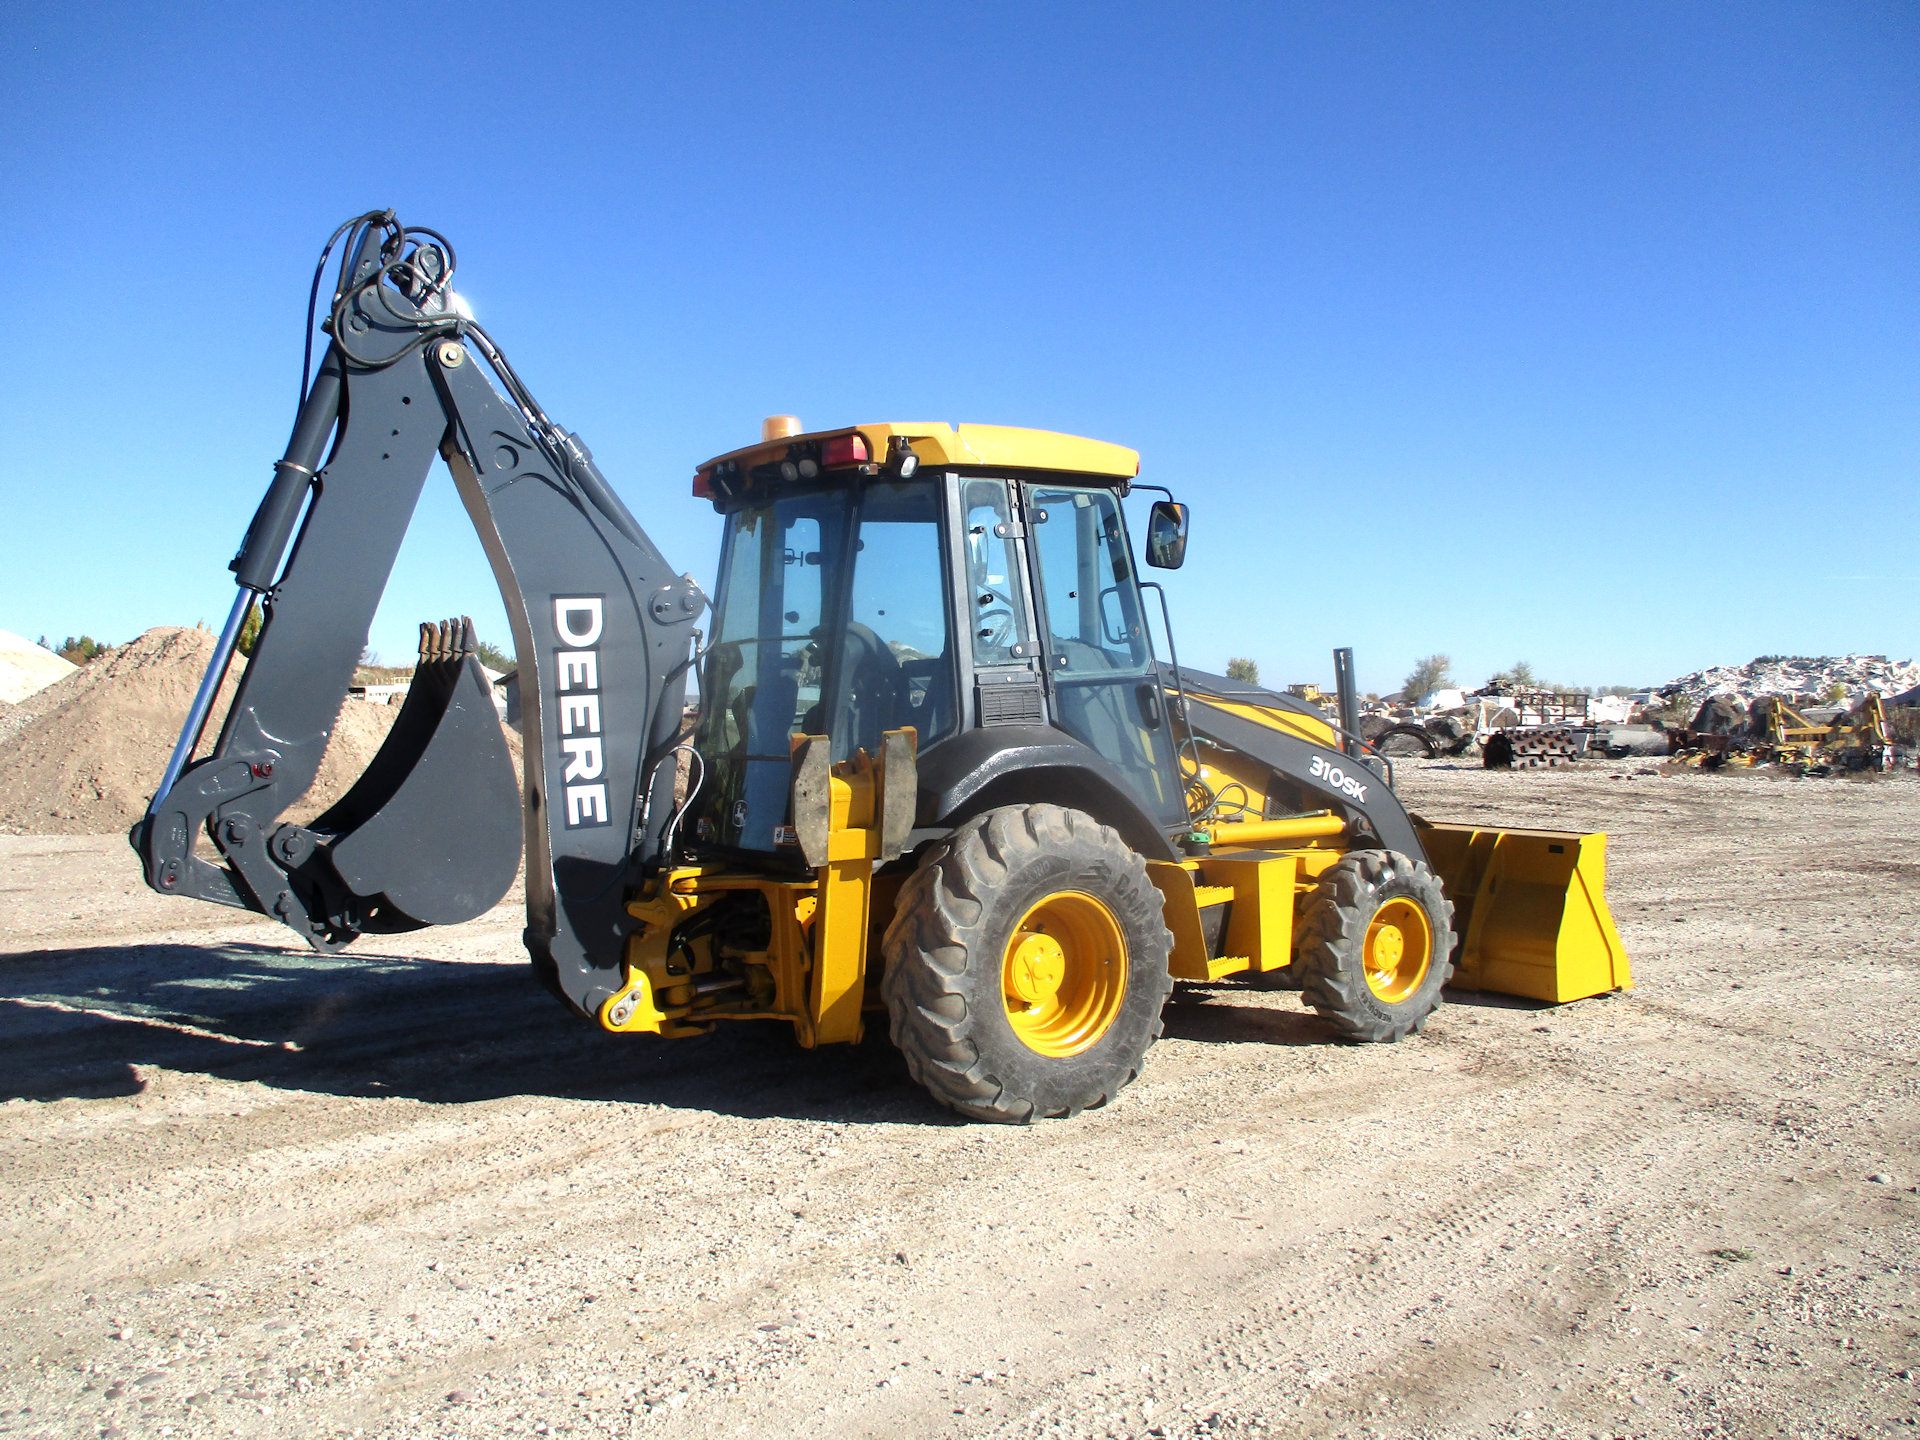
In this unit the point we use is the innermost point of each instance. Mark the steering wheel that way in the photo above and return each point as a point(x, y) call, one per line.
point(993, 626)
point(875, 681)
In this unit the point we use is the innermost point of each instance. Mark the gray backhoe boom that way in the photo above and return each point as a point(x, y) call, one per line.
point(601, 628)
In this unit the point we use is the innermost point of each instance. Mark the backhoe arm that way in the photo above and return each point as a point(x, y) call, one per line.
point(601, 628)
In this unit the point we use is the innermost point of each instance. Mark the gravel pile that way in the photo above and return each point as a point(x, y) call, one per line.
point(26, 667)
point(82, 756)
point(1808, 676)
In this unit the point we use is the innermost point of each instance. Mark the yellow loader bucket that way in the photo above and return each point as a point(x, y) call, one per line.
point(1530, 911)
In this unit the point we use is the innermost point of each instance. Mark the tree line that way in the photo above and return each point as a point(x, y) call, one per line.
point(1435, 672)
point(75, 649)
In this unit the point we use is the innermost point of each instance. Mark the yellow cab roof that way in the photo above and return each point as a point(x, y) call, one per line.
point(939, 444)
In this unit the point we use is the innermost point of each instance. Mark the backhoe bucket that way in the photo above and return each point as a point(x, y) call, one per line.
point(1530, 911)
point(431, 832)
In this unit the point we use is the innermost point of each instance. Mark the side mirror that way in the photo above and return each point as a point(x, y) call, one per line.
point(1167, 535)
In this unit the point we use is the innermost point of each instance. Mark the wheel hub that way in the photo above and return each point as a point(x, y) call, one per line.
point(1389, 949)
point(1399, 949)
point(1064, 974)
point(1037, 968)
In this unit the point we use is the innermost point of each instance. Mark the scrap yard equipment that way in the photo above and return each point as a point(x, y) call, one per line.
point(1774, 733)
point(1552, 728)
point(938, 773)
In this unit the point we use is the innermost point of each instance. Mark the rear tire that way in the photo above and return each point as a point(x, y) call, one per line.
point(1376, 946)
point(1026, 965)
point(1404, 741)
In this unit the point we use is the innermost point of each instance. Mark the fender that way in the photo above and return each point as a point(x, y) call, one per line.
point(1025, 764)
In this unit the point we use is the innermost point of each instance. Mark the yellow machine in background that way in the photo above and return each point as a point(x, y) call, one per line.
point(1860, 741)
point(1777, 734)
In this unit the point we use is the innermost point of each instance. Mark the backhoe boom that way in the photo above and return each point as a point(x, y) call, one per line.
point(601, 628)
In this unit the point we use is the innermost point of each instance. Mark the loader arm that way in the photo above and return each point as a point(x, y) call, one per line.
point(1530, 913)
point(601, 630)
point(1231, 714)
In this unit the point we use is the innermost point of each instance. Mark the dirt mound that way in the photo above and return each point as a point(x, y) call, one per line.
point(82, 756)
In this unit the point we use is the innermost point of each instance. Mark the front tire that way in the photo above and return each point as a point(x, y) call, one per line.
point(1376, 946)
point(1026, 965)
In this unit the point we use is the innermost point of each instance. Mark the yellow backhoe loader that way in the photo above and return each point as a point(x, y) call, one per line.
point(938, 771)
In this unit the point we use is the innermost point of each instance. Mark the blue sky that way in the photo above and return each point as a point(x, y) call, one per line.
point(1588, 335)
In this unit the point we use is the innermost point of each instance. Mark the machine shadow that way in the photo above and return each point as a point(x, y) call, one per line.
point(1227, 1014)
point(82, 1022)
point(1491, 1000)
point(1210, 1013)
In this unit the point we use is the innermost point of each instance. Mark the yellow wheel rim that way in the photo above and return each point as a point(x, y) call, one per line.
point(1399, 950)
point(1064, 974)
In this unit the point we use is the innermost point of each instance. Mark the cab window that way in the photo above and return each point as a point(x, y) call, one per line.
point(996, 597)
point(895, 666)
point(1092, 602)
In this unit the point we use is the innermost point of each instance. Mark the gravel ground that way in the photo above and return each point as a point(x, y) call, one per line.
point(255, 1192)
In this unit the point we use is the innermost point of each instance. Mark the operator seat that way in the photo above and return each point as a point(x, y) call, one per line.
point(877, 693)
point(938, 706)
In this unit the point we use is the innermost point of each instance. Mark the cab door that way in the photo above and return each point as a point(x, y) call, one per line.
point(1095, 648)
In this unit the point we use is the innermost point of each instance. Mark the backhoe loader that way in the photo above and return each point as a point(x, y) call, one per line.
point(939, 771)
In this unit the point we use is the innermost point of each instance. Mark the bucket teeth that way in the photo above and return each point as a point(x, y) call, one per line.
point(450, 639)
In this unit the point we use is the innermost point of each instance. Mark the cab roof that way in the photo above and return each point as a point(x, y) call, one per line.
point(940, 445)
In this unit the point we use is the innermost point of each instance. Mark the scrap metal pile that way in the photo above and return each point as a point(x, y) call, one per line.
point(1803, 715)
point(1529, 730)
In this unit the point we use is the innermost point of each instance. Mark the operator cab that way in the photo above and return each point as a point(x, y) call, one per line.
point(947, 578)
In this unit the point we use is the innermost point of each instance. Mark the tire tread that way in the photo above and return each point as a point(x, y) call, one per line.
point(940, 919)
point(1334, 982)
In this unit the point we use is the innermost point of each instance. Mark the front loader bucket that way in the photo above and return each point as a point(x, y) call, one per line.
point(1530, 911)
